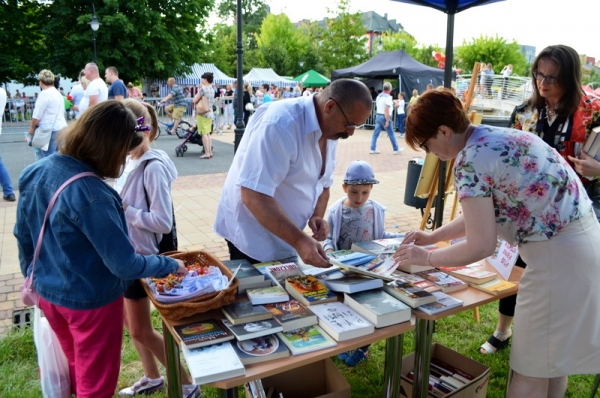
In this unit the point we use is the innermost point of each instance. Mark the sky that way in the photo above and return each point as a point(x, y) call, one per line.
point(537, 23)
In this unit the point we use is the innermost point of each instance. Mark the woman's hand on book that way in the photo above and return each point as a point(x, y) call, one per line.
point(419, 238)
point(411, 254)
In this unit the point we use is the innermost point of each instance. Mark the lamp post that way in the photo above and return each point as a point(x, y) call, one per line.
point(94, 25)
point(239, 122)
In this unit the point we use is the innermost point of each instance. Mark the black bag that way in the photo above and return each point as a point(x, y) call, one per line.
point(168, 243)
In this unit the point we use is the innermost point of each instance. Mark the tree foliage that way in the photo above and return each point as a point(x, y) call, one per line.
point(494, 50)
point(281, 44)
point(253, 14)
point(343, 43)
point(407, 42)
point(142, 38)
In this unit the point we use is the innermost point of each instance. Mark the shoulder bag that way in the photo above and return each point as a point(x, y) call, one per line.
point(201, 106)
point(41, 137)
point(28, 294)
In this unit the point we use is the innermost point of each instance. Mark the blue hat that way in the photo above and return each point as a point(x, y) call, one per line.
point(359, 173)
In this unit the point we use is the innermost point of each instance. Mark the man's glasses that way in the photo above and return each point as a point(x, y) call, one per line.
point(348, 124)
point(539, 76)
point(423, 146)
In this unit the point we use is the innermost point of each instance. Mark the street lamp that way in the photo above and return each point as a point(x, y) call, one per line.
point(240, 128)
point(95, 25)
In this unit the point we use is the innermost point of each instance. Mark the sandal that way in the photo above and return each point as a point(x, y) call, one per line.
point(494, 344)
point(205, 157)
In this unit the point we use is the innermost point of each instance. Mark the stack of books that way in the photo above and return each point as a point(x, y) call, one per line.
point(248, 276)
point(408, 293)
point(378, 307)
point(341, 322)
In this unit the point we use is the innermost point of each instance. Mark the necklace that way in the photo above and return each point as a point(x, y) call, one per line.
point(550, 113)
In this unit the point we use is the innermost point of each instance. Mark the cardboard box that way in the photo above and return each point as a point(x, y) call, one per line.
point(318, 380)
point(477, 388)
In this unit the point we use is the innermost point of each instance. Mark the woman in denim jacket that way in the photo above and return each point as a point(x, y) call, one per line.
point(86, 260)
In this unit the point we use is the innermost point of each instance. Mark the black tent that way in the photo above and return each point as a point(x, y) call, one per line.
point(396, 65)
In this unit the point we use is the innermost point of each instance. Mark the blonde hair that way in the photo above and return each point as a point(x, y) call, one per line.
point(46, 77)
point(144, 109)
point(84, 81)
point(171, 80)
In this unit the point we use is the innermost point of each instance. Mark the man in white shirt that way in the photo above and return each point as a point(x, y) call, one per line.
point(96, 90)
point(281, 173)
point(384, 105)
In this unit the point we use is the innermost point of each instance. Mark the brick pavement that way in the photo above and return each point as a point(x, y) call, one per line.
point(196, 198)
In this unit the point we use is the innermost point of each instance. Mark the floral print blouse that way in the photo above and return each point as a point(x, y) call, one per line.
point(535, 192)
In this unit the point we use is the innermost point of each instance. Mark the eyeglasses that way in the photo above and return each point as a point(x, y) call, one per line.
point(348, 124)
point(423, 146)
point(539, 76)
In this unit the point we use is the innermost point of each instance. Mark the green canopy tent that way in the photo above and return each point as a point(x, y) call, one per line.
point(312, 78)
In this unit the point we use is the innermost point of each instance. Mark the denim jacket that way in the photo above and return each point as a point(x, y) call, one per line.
point(86, 260)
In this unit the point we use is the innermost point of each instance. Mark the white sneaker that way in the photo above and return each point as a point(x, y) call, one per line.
point(398, 152)
point(374, 152)
point(143, 386)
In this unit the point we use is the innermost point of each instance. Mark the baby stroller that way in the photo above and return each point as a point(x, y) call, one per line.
point(192, 137)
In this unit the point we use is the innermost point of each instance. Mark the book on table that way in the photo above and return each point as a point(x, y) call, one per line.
point(251, 330)
point(244, 312)
point(203, 333)
point(266, 295)
point(495, 287)
point(443, 302)
point(378, 307)
point(473, 275)
point(378, 246)
point(418, 281)
point(408, 293)
point(260, 349)
point(304, 340)
point(247, 274)
point(446, 282)
point(279, 272)
point(380, 267)
point(266, 282)
point(292, 315)
point(308, 290)
point(262, 267)
point(212, 363)
point(349, 257)
point(341, 322)
point(352, 284)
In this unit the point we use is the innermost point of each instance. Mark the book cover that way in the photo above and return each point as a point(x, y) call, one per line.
point(341, 322)
point(262, 267)
point(279, 272)
point(265, 295)
point(442, 302)
point(260, 349)
point(473, 275)
point(244, 311)
point(308, 290)
point(495, 286)
point(204, 333)
point(378, 307)
point(352, 284)
point(251, 330)
point(378, 246)
point(446, 282)
point(349, 257)
point(309, 339)
point(407, 293)
point(212, 363)
point(412, 268)
point(292, 315)
point(266, 282)
point(247, 273)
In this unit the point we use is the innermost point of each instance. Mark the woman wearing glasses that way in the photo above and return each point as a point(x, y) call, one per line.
point(513, 185)
point(562, 115)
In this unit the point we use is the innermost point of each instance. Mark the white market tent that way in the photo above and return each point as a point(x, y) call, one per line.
point(258, 76)
point(193, 78)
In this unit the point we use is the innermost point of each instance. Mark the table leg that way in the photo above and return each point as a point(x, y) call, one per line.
point(227, 393)
point(423, 339)
point(393, 366)
point(173, 367)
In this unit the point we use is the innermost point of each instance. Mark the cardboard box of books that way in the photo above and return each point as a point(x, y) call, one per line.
point(326, 381)
point(452, 375)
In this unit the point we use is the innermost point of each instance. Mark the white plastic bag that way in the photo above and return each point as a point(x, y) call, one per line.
point(52, 362)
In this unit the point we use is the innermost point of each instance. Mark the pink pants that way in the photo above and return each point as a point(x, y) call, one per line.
point(91, 340)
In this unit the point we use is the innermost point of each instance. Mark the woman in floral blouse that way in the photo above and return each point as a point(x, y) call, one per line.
point(513, 185)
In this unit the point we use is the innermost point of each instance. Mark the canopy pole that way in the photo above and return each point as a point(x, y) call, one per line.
point(239, 123)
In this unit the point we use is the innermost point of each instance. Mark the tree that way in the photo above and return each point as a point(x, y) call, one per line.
point(22, 45)
point(343, 42)
point(224, 51)
point(281, 44)
point(407, 42)
point(494, 50)
point(253, 13)
point(311, 36)
point(142, 38)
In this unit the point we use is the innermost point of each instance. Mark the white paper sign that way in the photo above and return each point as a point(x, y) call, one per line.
point(504, 258)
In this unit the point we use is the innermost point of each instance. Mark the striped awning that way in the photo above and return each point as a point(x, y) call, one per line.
point(258, 76)
point(199, 69)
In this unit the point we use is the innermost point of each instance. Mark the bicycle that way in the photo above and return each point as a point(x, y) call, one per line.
point(182, 129)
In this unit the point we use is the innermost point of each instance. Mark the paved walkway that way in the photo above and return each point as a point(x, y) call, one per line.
point(196, 198)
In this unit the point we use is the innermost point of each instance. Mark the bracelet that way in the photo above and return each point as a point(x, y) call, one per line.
point(429, 258)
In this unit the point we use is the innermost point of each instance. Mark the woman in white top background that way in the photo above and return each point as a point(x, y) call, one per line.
point(506, 72)
point(49, 112)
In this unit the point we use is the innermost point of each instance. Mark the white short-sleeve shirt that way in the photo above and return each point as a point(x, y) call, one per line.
point(384, 100)
point(278, 156)
point(96, 87)
point(50, 110)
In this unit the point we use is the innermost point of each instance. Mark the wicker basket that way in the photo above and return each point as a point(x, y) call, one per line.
point(183, 309)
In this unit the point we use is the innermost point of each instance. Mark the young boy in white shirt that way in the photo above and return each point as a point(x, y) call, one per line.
point(356, 218)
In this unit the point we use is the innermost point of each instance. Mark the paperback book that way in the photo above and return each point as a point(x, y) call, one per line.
point(349, 257)
point(341, 322)
point(244, 312)
point(352, 284)
point(204, 333)
point(266, 295)
point(260, 349)
point(262, 267)
point(247, 273)
point(266, 282)
point(304, 340)
point(408, 293)
point(279, 272)
point(473, 275)
point(212, 363)
point(446, 282)
point(253, 330)
point(292, 315)
point(442, 303)
point(378, 246)
point(378, 307)
point(308, 290)
point(495, 286)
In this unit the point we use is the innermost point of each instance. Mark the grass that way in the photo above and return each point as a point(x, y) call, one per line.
point(19, 373)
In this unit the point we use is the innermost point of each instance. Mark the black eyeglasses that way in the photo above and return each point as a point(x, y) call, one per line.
point(348, 124)
point(424, 146)
point(539, 76)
